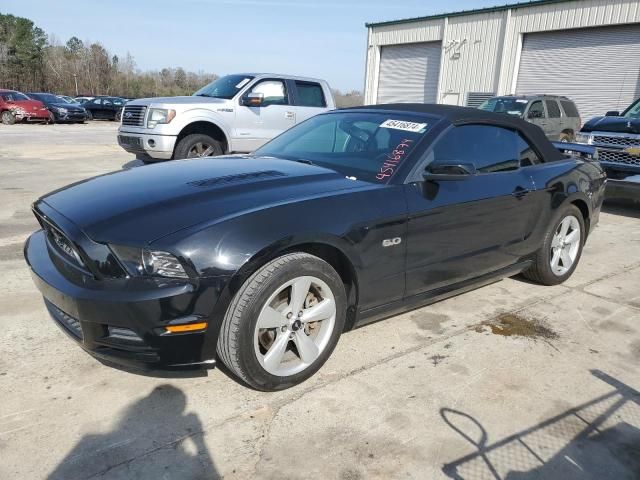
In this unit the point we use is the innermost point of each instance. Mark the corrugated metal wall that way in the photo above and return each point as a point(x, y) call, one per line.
point(489, 57)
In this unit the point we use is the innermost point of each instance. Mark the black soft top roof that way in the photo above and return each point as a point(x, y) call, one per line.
point(465, 115)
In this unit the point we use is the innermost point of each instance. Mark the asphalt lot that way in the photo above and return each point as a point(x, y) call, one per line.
point(434, 393)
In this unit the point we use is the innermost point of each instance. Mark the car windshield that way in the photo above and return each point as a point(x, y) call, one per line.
point(46, 97)
point(13, 96)
point(224, 87)
point(508, 105)
point(367, 146)
point(633, 111)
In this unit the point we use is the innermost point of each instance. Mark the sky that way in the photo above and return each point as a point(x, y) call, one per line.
point(325, 39)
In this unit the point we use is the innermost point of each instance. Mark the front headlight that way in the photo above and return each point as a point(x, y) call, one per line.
point(60, 109)
point(584, 138)
point(159, 116)
point(140, 262)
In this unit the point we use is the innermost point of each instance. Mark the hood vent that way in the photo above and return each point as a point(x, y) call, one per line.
point(236, 178)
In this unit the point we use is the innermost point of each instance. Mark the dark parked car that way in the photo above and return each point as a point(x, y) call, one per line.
point(261, 261)
point(106, 108)
point(557, 116)
point(17, 107)
point(617, 139)
point(61, 110)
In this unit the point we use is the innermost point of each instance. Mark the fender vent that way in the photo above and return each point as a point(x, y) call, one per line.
point(237, 178)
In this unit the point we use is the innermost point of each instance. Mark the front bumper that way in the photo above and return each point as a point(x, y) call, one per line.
point(627, 188)
point(122, 321)
point(36, 116)
point(70, 116)
point(154, 146)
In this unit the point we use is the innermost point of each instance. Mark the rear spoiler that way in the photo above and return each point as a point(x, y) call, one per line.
point(577, 149)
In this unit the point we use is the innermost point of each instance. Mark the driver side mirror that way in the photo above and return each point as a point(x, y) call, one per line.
point(253, 99)
point(449, 171)
point(612, 113)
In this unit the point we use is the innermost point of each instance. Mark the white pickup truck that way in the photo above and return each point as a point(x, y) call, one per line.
point(234, 114)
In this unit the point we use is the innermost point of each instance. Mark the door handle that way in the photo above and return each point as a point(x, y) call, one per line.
point(520, 192)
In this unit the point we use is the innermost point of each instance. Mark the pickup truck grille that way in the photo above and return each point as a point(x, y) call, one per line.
point(618, 156)
point(615, 141)
point(133, 115)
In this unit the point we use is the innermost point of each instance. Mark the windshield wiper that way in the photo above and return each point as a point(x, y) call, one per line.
point(204, 95)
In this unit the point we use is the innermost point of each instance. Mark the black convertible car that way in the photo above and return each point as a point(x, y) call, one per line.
point(262, 261)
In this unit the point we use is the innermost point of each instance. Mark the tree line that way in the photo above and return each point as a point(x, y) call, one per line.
point(31, 61)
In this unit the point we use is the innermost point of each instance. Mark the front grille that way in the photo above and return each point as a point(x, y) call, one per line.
point(133, 115)
point(63, 245)
point(618, 156)
point(71, 324)
point(615, 141)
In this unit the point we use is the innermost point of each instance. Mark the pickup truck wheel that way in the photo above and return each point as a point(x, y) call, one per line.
point(197, 145)
point(8, 118)
point(284, 322)
point(561, 249)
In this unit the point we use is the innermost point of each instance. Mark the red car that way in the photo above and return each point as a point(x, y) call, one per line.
point(17, 107)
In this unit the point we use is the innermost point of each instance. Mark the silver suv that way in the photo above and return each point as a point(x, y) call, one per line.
point(234, 114)
point(557, 116)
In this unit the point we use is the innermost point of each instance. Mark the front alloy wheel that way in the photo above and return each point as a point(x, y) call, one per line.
point(294, 326)
point(284, 322)
point(561, 248)
point(565, 245)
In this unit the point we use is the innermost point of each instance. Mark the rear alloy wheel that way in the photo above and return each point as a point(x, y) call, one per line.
point(89, 115)
point(8, 118)
point(198, 145)
point(284, 322)
point(561, 249)
point(118, 115)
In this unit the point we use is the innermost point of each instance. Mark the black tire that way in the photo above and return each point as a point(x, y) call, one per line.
point(8, 118)
point(235, 343)
point(118, 116)
point(541, 271)
point(89, 115)
point(188, 146)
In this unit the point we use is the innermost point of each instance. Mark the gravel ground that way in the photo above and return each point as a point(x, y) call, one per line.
point(511, 381)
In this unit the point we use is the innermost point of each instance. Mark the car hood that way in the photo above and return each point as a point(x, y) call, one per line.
point(143, 204)
point(188, 100)
point(612, 124)
point(28, 105)
point(68, 106)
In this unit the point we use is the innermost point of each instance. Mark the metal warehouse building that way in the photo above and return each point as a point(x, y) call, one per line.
point(587, 50)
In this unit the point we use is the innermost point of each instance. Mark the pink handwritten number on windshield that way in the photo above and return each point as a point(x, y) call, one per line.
point(392, 159)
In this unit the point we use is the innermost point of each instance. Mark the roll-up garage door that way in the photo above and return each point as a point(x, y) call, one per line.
point(409, 73)
point(599, 68)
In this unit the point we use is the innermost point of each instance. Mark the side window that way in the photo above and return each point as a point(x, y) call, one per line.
point(310, 94)
point(107, 101)
point(97, 101)
point(490, 149)
point(274, 91)
point(536, 110)
point(528, 155)
point(118, 102)
point(553, 108)
point(569, 108)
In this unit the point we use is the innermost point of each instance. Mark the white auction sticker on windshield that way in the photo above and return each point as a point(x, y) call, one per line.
point(522, 101)
point(404, 125)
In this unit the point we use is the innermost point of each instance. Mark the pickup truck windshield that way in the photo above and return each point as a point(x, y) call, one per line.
point(633, 111)
point(367, 146)
point(224, 87)
point(510, 106)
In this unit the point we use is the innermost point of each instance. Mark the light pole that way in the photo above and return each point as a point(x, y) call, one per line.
point(75, 79)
